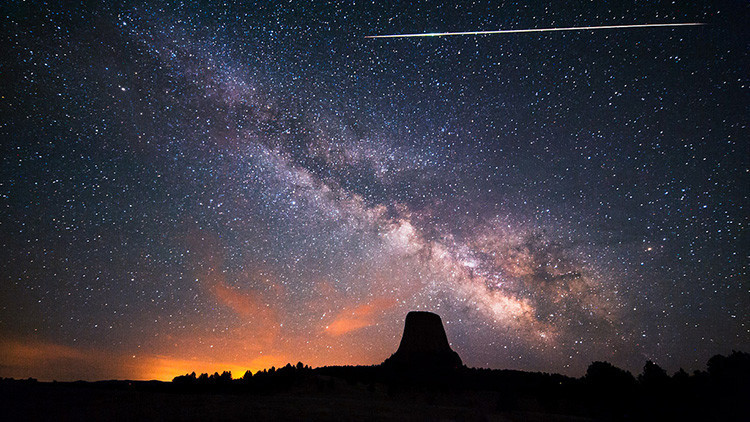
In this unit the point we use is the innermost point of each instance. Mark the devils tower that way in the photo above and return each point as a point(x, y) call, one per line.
point(424, 345)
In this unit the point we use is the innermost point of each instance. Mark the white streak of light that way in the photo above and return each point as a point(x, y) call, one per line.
point(520, 31)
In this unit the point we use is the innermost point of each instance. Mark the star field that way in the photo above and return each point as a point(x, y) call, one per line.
point(234, 186)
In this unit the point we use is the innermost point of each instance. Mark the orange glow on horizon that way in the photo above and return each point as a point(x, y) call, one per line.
point(165, 368)
point(49, 361)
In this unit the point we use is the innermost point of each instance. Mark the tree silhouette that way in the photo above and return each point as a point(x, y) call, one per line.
point(681, 375)
point(607, 375)
point(653, 375)
point(225, 378)
point(188, 379)
point(732, 368)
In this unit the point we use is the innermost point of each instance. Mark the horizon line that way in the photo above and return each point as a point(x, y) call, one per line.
point(519, 31)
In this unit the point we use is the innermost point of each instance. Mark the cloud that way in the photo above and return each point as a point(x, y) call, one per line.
point(244, 303)
point(251, 296)
point(18, 354)
point(357, 317)
point(48, 361)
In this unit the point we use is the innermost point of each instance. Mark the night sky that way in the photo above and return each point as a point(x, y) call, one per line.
point(213, 186)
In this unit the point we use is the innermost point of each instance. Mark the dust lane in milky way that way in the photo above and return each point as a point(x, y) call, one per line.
point(229, 188)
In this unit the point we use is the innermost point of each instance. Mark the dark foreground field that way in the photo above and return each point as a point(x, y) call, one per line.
point(82, 402)
point(375, 394)
point(397, 392)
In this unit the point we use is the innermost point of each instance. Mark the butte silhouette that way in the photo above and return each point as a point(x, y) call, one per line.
point(424, 346)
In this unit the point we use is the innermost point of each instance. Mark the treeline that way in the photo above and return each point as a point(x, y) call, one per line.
point(731, 370)
point(605, 392)
point(225, 378)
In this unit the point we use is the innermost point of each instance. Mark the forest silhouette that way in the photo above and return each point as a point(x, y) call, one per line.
point(605, 392)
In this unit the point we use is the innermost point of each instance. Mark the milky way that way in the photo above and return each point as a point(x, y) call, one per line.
point(234, 187)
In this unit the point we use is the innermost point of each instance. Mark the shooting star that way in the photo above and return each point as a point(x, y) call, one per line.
point(521, 31)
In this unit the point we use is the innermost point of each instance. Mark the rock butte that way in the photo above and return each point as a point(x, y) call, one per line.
point(424, 345)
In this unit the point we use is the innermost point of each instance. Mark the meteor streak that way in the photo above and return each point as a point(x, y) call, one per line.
point(520, 31)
